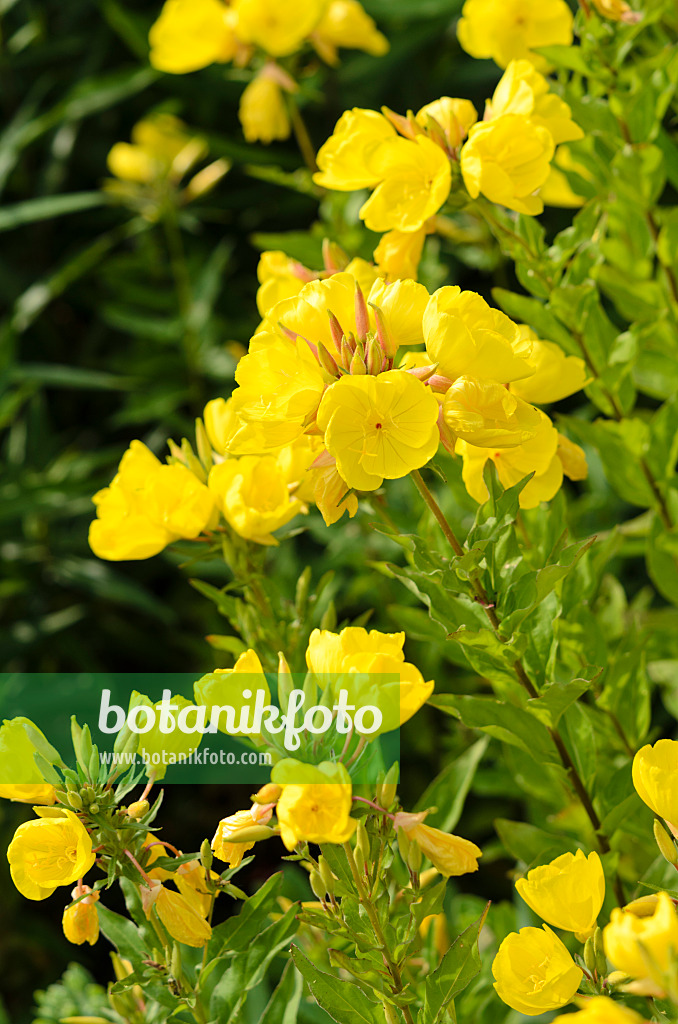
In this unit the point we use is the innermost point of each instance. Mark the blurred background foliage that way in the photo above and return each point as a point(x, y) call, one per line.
point(93, 354)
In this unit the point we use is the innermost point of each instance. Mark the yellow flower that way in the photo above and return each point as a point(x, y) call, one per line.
point(522, 90)
point(644, 947)
point(278, 28)
point(567, 893)
point(190, 34)
point(507, 160)
point(455, 117)
point(224, 849)
point(450, 855)
point(556, 190)
point(180, 919)
point(508, 29)
point(603, 1010)
point(161, 749)
point(534, 972)
point(315, 804)
point(539, 455)
point(486, 414)
point(371, 667)
point(190, 881)
point(555, 375)
point(414, 181)
point(655, 776)
point(253, 496)
point(279, 278)
point(263, 111)
point(332, 495)
point(399, 252)
point(345, 23)
point(572, 459)
point(617, 10)
point(160, 146)
point(345, 159)
point(379, 427)
point(81, 921)
point(147, 506)
point(48, 852)
point(20, 778)
point(221, 422)
point(465, 336)
point(227, 686)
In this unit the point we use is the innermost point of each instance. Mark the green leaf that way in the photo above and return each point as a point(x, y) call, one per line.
point(46, 207)
point(570, 57)
point(621, 447)
point(662, 559)
point(556, 698)
point(345, 1002)
point(454, 780)
point(503, 721)
point(626, 695)
point(283, 1006)
point(530, 844)
point(460, 964)
point(124, 935)
point(236, 933)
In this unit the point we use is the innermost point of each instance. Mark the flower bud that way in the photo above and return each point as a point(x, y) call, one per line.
point(357, 366)
point(362, 319)
point(268, 794)
point(206, 855)
point(590, 956)
point(326, 361)
point(138, 809)
point(75, 800)
point(176, 961)
point(334, 257)
point(666, 845)
point(317, 884)
point(388, 790)
point(336, 331)
point(414, 857)
point(362, 840)
point(253, 834)
point(327, 876)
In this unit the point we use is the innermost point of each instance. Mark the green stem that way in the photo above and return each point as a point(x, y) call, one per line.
point(302, 136)
point(184, 288)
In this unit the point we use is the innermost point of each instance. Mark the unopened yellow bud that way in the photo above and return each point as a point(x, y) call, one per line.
point(254, 834)
point(206, 855)
point(327, 876)
point(317, 884)
point(138, 809)
point(667, 846)
point(268, 794)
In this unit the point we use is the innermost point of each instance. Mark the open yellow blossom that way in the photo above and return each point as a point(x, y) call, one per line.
point(345, 23)
point(227, 687)
point(160, 146)
point(486, 414)
point(253, 496)
point(345, 160)
point(568, 893)
point(534, 972)
point(180, 919)
point(465, 336)
point(399, 253)
point(147, 506)
point(49, 852)
point(555, 375)
point(224, 848)
point(279, 278)
point(617, 10)
point(522, 90)
point(80, 921)
point(277, 28)
point(450, 855)
point(508, 29)
point(644, 947)
point(655, 776)
point(190, 34)
point(263, 113)
point(379, 427)
point(20, 777)
point(603, 1010)
point(454, 116)
point(507, 160)
point(315, 803)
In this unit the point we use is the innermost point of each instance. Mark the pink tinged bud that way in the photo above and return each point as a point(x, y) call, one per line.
point(336, 331)
point(149, 894)
point(278, 75)
point(323, 460)
point(312, 347)
point(385, 340)
point(447, 438)
point(362, 318)
point(436, 134)
point(346, 353)
point(406, 126)
point(438, 383)
point(303, 273)
point(292, 335)
point(424, 373)
point(262, 813)
point(326, 361)
point(358, 364)
point(334, 257)
point(375, 357)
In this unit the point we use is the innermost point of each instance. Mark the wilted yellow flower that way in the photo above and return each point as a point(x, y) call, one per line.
point(572, 458)
point(263, 112)
point(190, 34)
point(189, 879)
point(655, 776)
point(180, 919)
point(48, 852)
point(224, 849)
point(568, 893)
point(465, 336)
point(399, 252)
point(81, 921)
point(161, 749)
point(603, 1010)
point(278, 28)
point(644, 947)
point(379, 427)
point(486, 414)
point(617, 10)
point(226, 686)
point(450, 855)
point(345, 23)
point(17, 762)
point(507, 160)
point(454, 116)
point(332, 495)
point(508, 29)
point(147, 506)
point(315, 804)
point(160, 146)
point(253, 496)
point(555, 375)
point(522, 90)
point(534, 972)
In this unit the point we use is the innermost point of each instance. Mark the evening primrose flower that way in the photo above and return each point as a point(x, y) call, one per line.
point(507, 159)
point(399, 253)
point(190, 34)
point(486, 414)
point(647, 946)
point(253, 495)
point(48, 852)
point(522, 90)
point(147, 506)
point(80, 921)
point(160, 146)
point(227, 687)
point(554, 376)
point(603, 1010)
point(277, 28)
point(20, 777)
point(315, 803)
point(346, 24)
point(534, 972)
point(655, 776)
point(263, 112)
point(453, 116)
point(178, 916)
point(223, 845)
point(450, 855)
point(568, 893)
point(508, 29)
point(189, 879)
